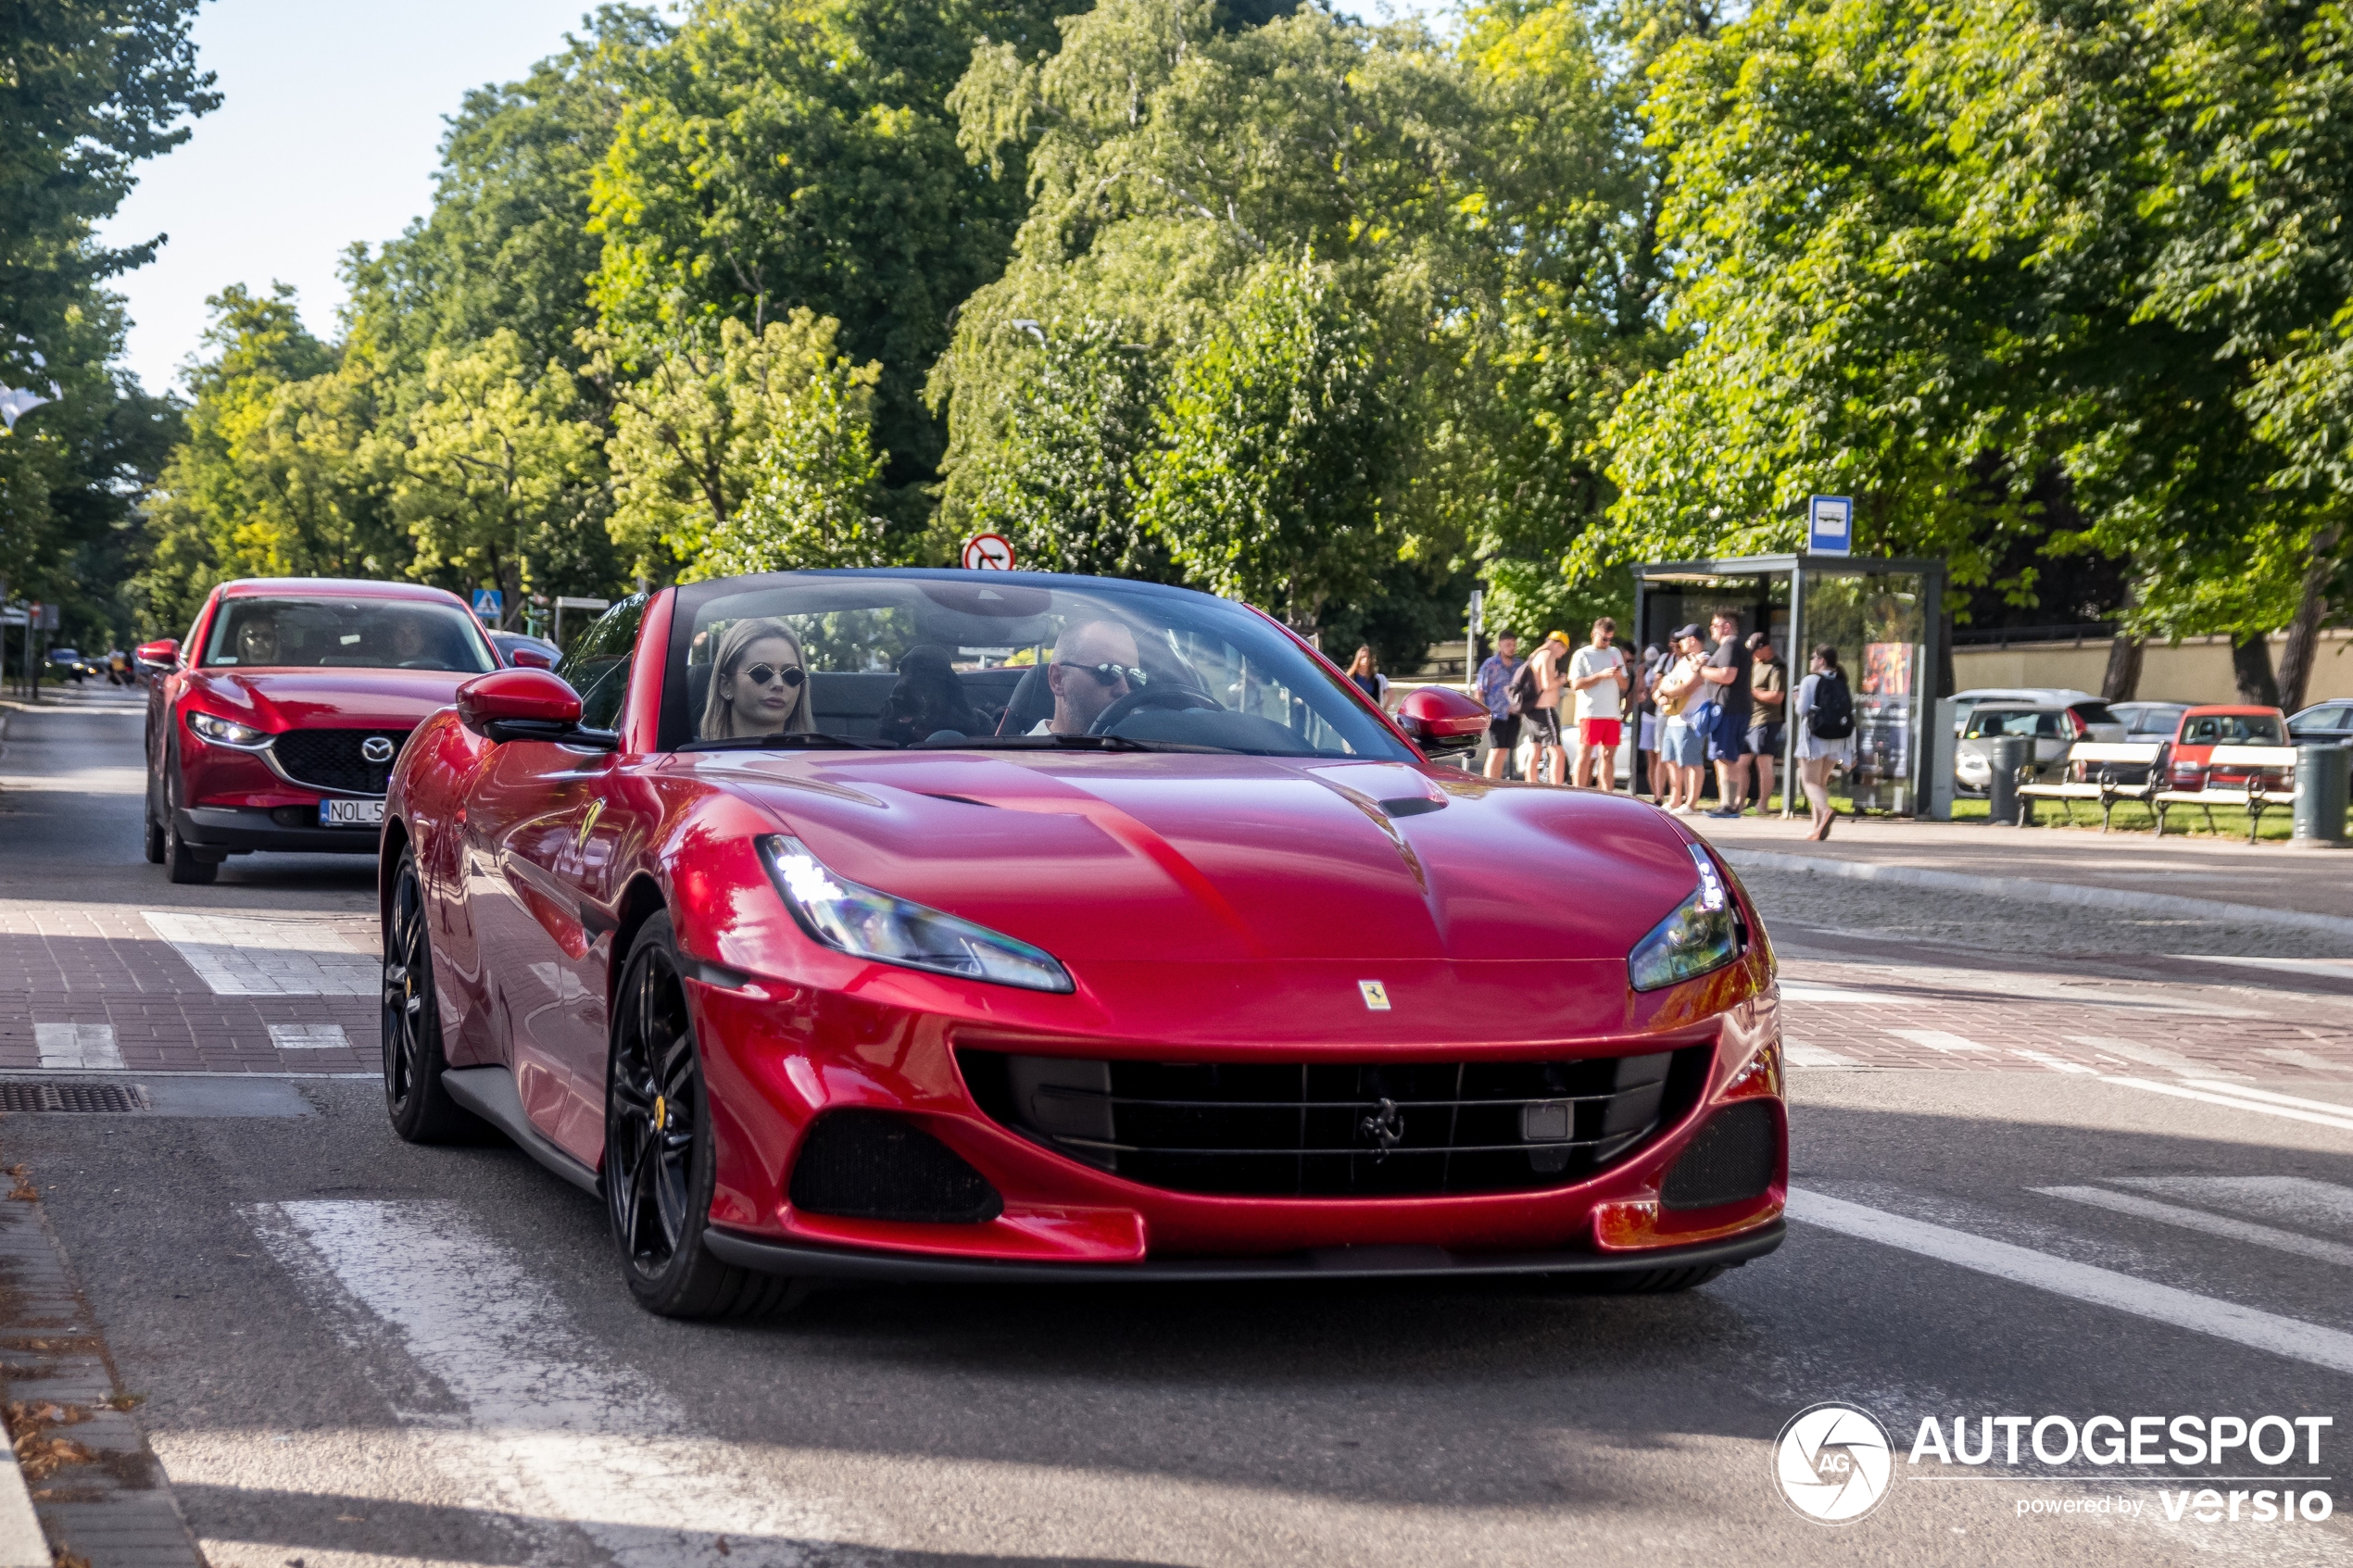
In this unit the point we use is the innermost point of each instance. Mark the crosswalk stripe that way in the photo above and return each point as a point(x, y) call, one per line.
point(2296, 1200)
point(1937, 1041)
point(1815, 1056)
point(2178, 1091)
point(2250, 1326)
point(552, 1428)
point(2054, 1063)
point(2305, 1060)
point(2149, 1056)
point(258, 956)
point(2212, 1224)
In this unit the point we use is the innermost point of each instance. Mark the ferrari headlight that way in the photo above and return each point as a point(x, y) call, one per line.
point(875, 924)
point(228, 731)
point(1699, 936)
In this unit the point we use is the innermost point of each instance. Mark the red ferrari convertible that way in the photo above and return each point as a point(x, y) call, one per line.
point(935, 925)
point(275, 724)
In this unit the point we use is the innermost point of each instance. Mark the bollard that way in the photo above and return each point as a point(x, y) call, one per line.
point(2323, 773)
point(2006, 756)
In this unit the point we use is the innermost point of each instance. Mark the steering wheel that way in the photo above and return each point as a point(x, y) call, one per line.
point(1173, 698)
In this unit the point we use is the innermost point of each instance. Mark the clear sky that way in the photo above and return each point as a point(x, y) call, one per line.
point(329, 132)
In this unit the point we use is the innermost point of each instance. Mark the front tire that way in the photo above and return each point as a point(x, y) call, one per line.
point(421, 1109)
point(155, 842)
point(180, 862)
point(659, 1167)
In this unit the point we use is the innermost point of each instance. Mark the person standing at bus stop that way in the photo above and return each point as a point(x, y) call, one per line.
point(1598, 677)
point(1495, 691)
point(1768, 699)
point(1727, 675)
point(1547, 666)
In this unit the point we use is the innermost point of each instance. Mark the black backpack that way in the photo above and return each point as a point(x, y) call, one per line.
point(1523, 692)
point(1833, 715)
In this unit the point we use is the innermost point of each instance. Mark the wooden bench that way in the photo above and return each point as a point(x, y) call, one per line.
point(2258, 796)
point(2089, 773)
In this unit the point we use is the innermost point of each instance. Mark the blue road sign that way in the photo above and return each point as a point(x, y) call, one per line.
point(1830, 525)
point(489, 603)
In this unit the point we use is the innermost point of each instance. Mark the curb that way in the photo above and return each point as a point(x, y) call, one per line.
point(2025, 891)
point(21, 1543)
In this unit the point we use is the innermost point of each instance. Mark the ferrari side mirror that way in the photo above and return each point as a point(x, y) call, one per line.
point(508, 704)
point(1441, 720)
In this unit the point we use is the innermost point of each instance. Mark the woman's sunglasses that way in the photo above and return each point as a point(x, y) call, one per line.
point(761, 674)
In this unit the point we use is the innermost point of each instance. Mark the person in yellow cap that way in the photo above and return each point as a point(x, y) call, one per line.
point(1549, 663)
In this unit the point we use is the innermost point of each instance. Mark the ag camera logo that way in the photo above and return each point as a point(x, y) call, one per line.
point(1834, 1463)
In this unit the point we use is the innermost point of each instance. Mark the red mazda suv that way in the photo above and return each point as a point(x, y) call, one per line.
point(276, 724)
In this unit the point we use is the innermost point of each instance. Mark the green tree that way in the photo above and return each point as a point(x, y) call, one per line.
point(1276, 437)
point(781, 155)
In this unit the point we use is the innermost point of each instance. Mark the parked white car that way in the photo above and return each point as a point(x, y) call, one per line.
point(2099, 725)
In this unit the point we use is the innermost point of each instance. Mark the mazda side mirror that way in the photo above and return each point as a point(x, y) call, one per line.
point(529, 658)
point(1441, 720)
point(528, 704)
point(162, 654)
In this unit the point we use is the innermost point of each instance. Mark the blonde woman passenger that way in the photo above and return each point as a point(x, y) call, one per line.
point(759, 683)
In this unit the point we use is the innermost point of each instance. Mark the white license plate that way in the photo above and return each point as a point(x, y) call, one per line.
point(351, 813)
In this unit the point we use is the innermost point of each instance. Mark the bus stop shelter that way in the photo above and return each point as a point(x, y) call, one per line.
point(1884, 614)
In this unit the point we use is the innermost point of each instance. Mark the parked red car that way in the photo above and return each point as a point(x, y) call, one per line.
point(2188, 761)
point(939, 925)
point(275, 725)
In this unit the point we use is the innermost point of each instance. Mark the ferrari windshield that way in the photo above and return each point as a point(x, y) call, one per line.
point(997, 661)
point(351, 634)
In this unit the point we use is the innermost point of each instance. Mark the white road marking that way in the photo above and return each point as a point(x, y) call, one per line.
point(2054, 1063)
point(1814, 991)
point(2343, 1123)
point(1937, 1041)
point(90, 1046)
point(2250, 1326)
point(2342, 968)
point(245, 955)
point(1815, 1056)
point(2334, 1108)
point(309, 1036)
point(550, 1429)
point(2149, 1056)
point(2298, 1200)
point(2212, 1224)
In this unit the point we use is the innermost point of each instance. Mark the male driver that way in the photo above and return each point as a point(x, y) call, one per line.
point(1598, 677)
point(1727, 675)
point(1495, 691)
point(1094, 666)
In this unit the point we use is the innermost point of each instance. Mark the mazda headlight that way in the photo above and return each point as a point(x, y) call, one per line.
point(228, 731)
point(1703, 934)
point(874, 924)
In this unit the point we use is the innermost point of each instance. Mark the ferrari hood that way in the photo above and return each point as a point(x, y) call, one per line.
point(294, 699)
point(1198, 858)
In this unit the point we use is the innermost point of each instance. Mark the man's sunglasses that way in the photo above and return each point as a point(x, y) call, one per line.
point(761, 674)
point(1105, 674)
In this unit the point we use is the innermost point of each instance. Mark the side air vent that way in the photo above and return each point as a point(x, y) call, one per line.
point(869, 1165)
point(1730, 1162)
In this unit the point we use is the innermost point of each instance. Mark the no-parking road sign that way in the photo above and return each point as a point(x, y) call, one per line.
point(989, 552)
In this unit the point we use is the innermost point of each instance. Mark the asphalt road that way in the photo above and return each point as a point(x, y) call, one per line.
point(351, 1351)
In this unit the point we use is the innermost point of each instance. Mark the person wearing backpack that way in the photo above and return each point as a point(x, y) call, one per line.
point(1825, 733)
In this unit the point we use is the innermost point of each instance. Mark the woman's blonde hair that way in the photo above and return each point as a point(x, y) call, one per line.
point(718, 712)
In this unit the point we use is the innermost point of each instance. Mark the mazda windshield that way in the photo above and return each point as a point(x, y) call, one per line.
point(347, 634)
point(1001, 661)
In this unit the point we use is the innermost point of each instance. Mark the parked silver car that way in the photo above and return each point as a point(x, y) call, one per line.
point(2099, 722)
point(2323, 723)
point(2052, 726)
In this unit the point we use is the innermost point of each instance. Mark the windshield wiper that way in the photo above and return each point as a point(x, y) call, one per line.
point(1059, 743)
point(797, 740)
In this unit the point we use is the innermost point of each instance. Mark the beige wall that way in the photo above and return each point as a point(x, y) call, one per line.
point(2196, 670)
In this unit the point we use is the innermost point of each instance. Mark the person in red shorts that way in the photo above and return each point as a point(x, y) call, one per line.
point(1598, 677)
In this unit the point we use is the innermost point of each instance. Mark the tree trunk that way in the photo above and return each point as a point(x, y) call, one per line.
point(2304, 631)
point(2251, 663)
point(2122, 682)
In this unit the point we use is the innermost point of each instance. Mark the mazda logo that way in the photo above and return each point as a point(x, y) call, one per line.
point(375, 749)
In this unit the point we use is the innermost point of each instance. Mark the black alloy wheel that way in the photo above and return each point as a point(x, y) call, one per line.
point(179, 862)
point(659, 1171)
point(421, 1109)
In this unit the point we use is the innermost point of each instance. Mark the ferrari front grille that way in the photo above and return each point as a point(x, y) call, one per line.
point(339, 759)
point(1340, 1130)
point(1730, 1162)
point(871, 1165)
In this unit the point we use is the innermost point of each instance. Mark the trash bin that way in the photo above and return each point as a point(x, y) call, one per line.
point(2006, 757)
point(2321, 779)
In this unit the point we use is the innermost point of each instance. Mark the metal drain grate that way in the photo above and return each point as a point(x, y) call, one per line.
point(110, 1098)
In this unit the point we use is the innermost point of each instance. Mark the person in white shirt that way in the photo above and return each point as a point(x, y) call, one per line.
point(1597, 674)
